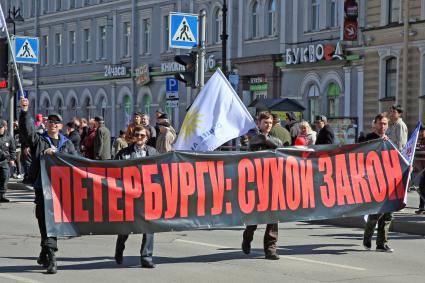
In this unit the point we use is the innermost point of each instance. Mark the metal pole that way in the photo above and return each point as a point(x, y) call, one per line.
point(201, 50)
point(224, 37)
point(405, 54)
point(12, 87)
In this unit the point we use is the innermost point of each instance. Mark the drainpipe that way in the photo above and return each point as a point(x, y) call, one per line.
point(405, 54)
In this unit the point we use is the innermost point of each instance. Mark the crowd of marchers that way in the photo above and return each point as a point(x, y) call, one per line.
point(20, 158)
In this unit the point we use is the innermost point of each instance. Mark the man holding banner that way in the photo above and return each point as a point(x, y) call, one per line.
point(382, 219)
point(263, 141)
point(137, 149)
point(50, 142)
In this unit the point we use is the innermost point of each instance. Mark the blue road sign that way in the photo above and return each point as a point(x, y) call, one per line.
point(183, 30)
point(171, 85)
point(26, 49)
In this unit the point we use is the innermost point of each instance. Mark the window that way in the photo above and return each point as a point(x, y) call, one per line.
point(166, 35)
point(102, 107)
point(33, 8)
point(86, 108)
point(217, 25)
point(73, 107)
point(45, 6)
point(255, 20)
point(71, 4)
point(391, 77)
point(334, 12)
point(393, 11)
point(59, 106)
point(333, 100)
point(45, 44)
point(58, 5)
point(58, 48)
point(72, 46)
point(313, 102)
point(102, 42)
point(86, 45)
point(146, 36)
point(147, 103)
point(126, 39)
point(271, 18)
point(86, 2)
point(315, 12)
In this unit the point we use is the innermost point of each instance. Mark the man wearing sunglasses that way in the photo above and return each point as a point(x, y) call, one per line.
point(49, 142)
point(137, 149)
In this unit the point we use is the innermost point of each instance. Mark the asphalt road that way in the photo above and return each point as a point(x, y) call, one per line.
point(309, 253)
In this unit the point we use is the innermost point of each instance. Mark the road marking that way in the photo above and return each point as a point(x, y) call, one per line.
point(282, 256)
point(18, 278)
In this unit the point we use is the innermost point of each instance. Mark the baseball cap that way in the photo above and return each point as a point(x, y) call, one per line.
point(321, 118)
point(54, 115)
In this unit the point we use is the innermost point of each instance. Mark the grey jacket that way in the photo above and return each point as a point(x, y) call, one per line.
point(397, 132)
point(102, 143)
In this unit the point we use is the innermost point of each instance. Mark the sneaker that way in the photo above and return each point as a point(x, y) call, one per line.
point(3, 199)
point(420, 211)
point(385, 249)
point(367, 245)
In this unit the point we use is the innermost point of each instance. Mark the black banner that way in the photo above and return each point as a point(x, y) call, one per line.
point(191, 190)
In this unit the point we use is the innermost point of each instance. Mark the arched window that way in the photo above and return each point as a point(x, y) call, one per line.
point(73, 108)
point(86, 108)
point(271, 18)
point(255, 20)
point(217, 25)
point(313, 102)
point(147, 103)
point(390, 77)
point(59, 105)
point(45, 109)
point(102, 107)
point(127, 109)
point(333, 99)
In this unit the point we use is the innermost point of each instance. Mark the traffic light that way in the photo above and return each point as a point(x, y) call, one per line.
point(189, 76)
point(26, 69)
point(4, 59)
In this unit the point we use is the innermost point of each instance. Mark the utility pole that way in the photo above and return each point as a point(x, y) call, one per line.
point(224, 37)
point(201, 50)
point(405, 54)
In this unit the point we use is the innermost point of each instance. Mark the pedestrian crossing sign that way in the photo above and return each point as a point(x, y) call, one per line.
point(26, 49)
point(183, 30)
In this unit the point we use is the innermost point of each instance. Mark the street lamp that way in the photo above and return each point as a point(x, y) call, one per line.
point(224, 36)
point(14, 16)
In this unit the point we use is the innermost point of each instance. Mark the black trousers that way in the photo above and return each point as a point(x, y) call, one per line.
point(384, 222)
point(146, 249)
point(422, 191)
point(46, 242)
point(4, 176)
point(270, 237)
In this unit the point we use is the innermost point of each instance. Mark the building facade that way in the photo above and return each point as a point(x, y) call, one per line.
point(384, 46)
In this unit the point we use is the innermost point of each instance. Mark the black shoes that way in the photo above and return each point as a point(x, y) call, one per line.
point(420, 211)
point(3, 199)
point(246, 247)
point(367, 244)
point(273, 256)
point(42, 258)
point(119, 256)
point(52, 267)
point(384, 248)
point(147, 264)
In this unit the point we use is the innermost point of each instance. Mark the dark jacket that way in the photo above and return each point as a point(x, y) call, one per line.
point(102, 143)
point(262, 142)
point(38, 144)
point(325, 135)
point(7, 148)
point(125, 153)
point(75, 138)
point(87, 145)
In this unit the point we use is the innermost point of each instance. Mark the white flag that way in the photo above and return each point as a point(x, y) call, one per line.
point(216, 116)
point(2, 20)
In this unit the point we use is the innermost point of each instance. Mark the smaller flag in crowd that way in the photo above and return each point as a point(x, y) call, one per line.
point(216, 116)
point(408, 151)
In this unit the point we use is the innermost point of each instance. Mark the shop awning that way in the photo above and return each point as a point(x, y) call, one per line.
point(277, 104)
